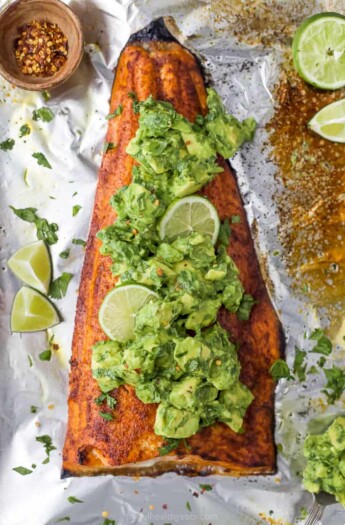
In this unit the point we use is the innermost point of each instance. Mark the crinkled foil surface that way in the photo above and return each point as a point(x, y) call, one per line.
point(244, 72)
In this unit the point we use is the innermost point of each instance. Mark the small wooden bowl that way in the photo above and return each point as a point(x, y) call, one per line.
point(22, 12)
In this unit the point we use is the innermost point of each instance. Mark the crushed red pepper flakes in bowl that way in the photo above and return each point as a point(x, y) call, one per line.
point(41, 48)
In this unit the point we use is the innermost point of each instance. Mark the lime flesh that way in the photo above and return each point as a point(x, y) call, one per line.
point(318, 50)
point(189, 214)
point(117, 313)
point(31, 264)
point(329, 122)
point(32, 312)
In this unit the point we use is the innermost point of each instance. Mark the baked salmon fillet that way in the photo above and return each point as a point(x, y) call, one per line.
point(154, 63)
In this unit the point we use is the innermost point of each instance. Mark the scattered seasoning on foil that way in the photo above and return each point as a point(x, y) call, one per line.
point(311, 203)
point(41, 48)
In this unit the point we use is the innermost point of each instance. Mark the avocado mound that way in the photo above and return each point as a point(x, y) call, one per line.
point(325, 469)
point(180, 356)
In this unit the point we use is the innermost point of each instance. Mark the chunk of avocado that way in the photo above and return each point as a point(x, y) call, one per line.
point(182, 394)
point(106, 359)
point(175, 423)
point(205, 315)
point(198, 145)
point(192, 356)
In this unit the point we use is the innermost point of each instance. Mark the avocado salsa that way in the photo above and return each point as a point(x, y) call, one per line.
point(180, 357)
point(325, 469)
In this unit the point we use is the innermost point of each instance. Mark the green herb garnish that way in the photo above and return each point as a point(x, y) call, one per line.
point(79, 241)
point(22, 470)
point(280, 370)
point(46, 355)
point(172, 444)
point(323, 345)
point(73, 499)
point(76, 209)
point(235, 219)
point(33, 409)
point(299, 367)
point(48, 446)
point(224, 233)
point(106, 415)
point(44, 114)
point(24, 130)
point(110, 400)
point(65, 254)
point(58, 287)
point(188, 506)
point(7, 145)
point(117, 112)
point(41, 160)
point(45, 231)
point(205, 487)
point(108, 146)
point(335, 385)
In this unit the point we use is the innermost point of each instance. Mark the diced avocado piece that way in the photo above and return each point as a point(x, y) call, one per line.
point(336, 433)
point(205, 393)
point(182, 394)
point(215, 274)
point(148, 392)
point(233, 418)
point(204, 316)
point(106, 358)
point(198, 145)
point(232, 295)
point(237, 396)
point(156, 314)
point(188, 303)
point(224, 371)
point(136, 202)
point(192, 356)
point(168, 253)
point(175, 423)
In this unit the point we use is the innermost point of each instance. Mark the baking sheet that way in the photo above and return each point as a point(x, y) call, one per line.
point(244, 73)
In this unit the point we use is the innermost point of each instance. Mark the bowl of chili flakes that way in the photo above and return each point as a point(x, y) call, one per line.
point(41, 43)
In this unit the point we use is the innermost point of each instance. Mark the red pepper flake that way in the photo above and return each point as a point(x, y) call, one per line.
point(41, 48)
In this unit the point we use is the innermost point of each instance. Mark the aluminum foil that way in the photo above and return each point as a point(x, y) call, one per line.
point(244, 73)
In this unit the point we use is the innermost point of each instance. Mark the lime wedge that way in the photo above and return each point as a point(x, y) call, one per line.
point(117, 313)
point(318, 50)
point(31, 264)
point(329, 122)
point(190, 214)
point(32, 312)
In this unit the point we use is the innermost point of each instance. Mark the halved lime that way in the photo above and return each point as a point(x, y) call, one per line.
point(117, 313)
point(32, 312)
point(329, 122)
point(31, 264)
point(189, 214)
point(318, 50)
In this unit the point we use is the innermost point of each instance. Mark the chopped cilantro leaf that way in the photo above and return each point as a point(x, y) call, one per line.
point(41, 160)
point(323, 345)
point(224, 233)
point(108, 146)
point(30, 361)
point(107, 521)
point(76, 209)
point(117, 112)
point(46, 95)
point(172, 444)
point(44, 114)
point(33, 409)
point(22, 470)
point(106, 415)
point(7, 145)
point(64, 254)
point(65, 518)
point(48, 446)
point(321, 362)
point(45, 231)
point(58, 287)
point(110, 400)
point(235, 219)
point(335, 385)
point(73, 499)
point(299, 367)
point(25, 176)
point(188, 506)
point(24, 130)
point(245, 308)
point(79, 241)
point(280, 370)
point(205, 486)
point(46, 355)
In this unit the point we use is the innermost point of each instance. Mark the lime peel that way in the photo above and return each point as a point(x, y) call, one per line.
point(31, 264)
point(329, 122)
